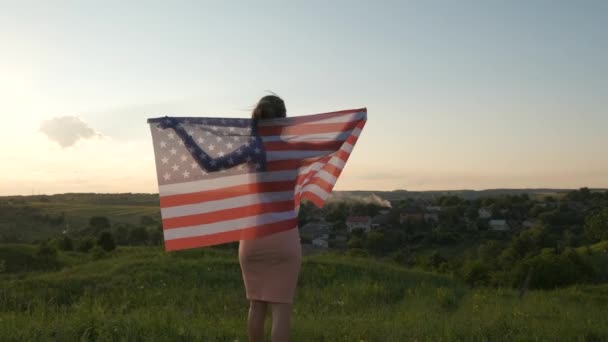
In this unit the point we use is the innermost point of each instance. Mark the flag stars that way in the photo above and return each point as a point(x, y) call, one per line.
point(175, 167)
point(183, 158)
point(221, 154)
point(193, 165)
point(167, 176)
point(171, 135)
point(165, 160)
point(200, 140)
point(229, 145)
point(173, 151)
point(163, 144)
point(211, 147)
point(181, 142)
point(186, 174)
point(218, 139)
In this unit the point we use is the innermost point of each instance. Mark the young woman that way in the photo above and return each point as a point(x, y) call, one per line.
point(271, 264)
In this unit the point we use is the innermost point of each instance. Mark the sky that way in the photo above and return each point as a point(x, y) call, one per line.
point(460, 94)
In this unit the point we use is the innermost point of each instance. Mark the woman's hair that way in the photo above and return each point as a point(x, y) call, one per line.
point(269, 107)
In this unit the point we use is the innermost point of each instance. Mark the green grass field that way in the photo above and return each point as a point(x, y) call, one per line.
point(145, 294)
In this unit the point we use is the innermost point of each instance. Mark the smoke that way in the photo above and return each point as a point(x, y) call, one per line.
point(67, 130)
point(370, 199)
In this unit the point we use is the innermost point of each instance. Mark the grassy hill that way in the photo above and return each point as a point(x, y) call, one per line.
point(145, 294)
point(33, 218)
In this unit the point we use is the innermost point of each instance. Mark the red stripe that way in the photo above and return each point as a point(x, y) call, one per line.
point(223, 193)
point(314, 198)
point(227, 214)
point(235, 235)
point(308, 128)
point(332, 145)
point(295, 120)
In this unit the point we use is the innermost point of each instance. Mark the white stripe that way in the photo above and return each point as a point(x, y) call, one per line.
point(347, 147)
point(315, 189)
point(356, 131)
point(339, 136)
point(294, 154)
point(228, 225)
point(218, 183)
point(228, 203)
point(316, 166)
point(347, 117)
point(326, 176)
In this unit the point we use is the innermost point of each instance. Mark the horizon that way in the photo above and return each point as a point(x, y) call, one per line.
point(362, 190)
point(469, 95)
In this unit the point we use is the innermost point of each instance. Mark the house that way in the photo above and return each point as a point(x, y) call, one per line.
point(411, 215)
point(380, 221)
point(359, 222)
point(431, 217)
point(321, 242)
point(433, 209)
point(484, 213)
point(529, 223)
point(499, 225)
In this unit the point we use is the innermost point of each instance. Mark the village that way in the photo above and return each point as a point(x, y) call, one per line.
point(324, 229)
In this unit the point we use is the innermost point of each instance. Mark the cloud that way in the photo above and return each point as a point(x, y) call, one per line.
point(67, 130)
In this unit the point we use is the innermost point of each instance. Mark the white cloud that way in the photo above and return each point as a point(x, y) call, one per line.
point(67, 130)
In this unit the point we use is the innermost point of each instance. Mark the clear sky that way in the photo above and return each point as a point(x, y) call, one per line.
point(460, 94)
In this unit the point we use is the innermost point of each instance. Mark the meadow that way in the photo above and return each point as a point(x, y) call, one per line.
point(146, 294)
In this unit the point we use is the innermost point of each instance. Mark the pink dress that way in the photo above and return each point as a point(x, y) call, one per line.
point(270, 266)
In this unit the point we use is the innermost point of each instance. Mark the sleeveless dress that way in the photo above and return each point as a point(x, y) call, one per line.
point(270, 266)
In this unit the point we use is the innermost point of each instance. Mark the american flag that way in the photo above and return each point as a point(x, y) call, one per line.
point(227, 179)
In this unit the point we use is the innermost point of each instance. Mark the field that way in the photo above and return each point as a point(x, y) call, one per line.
point(145, 294)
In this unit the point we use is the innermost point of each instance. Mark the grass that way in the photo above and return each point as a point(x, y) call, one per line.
point(145, 294)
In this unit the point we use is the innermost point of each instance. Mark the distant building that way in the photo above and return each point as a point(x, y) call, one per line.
point(529, 223)
point(484, 213)
point(320, 243)
point(431, 217)
point(411, 215)
point(433, 209)
point(359, 222)
point(381, 221)
point(498, 225)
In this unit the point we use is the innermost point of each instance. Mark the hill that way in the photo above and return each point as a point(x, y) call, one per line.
point(144, 294)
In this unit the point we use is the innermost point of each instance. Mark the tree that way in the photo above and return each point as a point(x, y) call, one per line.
point(146, 221)
point(99, 222)
point(85, 245)
point(106, 241)
point(596, 226)
point(138, 236)
point(65, 244)
point(156, 236)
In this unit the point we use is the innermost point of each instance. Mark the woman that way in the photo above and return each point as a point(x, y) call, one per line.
point(270, 264)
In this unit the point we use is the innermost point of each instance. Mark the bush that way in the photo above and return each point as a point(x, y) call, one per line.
point(106, 241)
point(85, 245)
point(551, 270)
point(138, 236)
point(65, 244)
point(358, 252)
point(97, 253)
point(476, 273)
